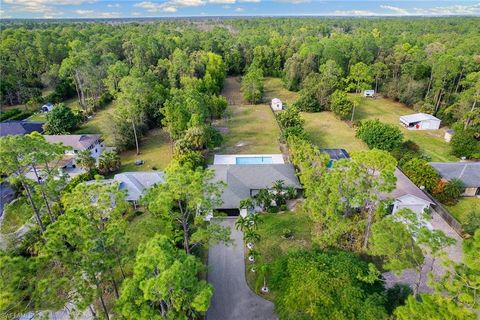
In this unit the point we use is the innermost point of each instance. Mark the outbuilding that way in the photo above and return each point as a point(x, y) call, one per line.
point(277, 104)
point(47, 107)
point(420, 121)
point(369, 93)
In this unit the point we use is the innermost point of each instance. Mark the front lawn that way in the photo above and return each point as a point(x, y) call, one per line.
point(431, 142)
point(464, 205)
point(99, 123)
point(272, 245)
point(155, 151)
point(15, 215)
point(327, 131)
point(248, 129)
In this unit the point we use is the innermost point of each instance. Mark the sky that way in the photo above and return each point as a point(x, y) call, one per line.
point(48, 9)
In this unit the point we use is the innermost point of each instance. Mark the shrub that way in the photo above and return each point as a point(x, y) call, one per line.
point(9, 113)
point(471, 221)
point(272, 210)
point(380, 135)
point(451, 192)
point(396, 296)
point(61, 120)
point(421, 173)
point(340, 104)
point(464, 143)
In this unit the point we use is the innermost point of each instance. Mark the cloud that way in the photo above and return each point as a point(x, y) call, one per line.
point(222, 1)
point(397, 10)
point(113, 5)
point(173, 5)
point(239, 9)
point(81, 12)
point(353, 13)
point(473, 9)
point(250, 1)
point(47, 9)
point(293, 1)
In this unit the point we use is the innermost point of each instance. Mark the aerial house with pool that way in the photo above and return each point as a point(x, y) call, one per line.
point(245, 175)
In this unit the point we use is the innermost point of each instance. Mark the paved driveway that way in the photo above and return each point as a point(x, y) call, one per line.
point(233, 299)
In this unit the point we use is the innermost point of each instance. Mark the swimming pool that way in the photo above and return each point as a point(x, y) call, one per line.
point(253, 160)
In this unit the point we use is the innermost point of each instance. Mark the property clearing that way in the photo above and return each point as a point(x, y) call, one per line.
point(274, 88)
point(247, 129)
point(327, 131)
point(431, 142)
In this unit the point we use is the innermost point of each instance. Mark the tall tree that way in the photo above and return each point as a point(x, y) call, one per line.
point(252, 85)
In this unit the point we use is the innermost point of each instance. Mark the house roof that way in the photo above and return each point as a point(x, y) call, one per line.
point(468, 172)
point(137, 182)
point(336, 154)
point(241, 179)
point(404, 187)
point(417, 117)
point(410, 199)
point(19, 127)
point(76, 141)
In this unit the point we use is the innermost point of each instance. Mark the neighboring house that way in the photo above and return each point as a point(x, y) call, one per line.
point(467, 172)
point(47, 107)
point(135, 183)
point(243, 181)
point(335, 154)
point(19, 127)
point(420, 121)
point(79, 142)
point(277, 104)
point(369, 93)
point(407, 195)
point(248, 159)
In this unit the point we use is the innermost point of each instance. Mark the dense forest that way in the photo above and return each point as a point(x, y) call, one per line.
point(89, 250)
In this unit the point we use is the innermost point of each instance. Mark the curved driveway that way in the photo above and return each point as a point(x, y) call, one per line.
point(233, 299)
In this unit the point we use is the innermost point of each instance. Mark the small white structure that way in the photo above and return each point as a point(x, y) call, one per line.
point(420, 121)
point(448, 135)
point(277, 104)
point(411, 202)
point(246, 159)
point(369, 93)
point(47, 107)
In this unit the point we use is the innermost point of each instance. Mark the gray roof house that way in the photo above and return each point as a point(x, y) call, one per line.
point(243, 181)
point(467, 172)
point(19, 127)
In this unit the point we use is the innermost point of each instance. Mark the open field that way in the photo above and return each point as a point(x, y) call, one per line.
point(155, 151)
point(463, 206)
point(99, 123)
point(247, 128)
point(327, 131)
point(274, 88)
point(431, 142)
point(272, 244)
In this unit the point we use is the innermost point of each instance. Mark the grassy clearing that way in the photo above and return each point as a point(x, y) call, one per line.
point(274, 88)
point(272, 245)
point(15, 215)
point(155, 151)
point(249, 128)
point(327, 131)
point(99, 123)
point(431, 142)
point(463, 206)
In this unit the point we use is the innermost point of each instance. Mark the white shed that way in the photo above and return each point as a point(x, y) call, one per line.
point(420, 121)
point(47, 107)
point(277, 104)
point(369, 93)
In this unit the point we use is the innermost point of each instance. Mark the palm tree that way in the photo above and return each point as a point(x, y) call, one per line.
point(85, 160)
point(109, 162)
point(253, 219)
point(264, 199)
point(247, 203)
point(241, 223)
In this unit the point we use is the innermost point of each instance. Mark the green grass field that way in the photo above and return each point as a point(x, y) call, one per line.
point(155, 151)
point(431, 142)
point(464, 205)
point(272, 245)
point(274, 88)
point(327, 131)
point(99, 123)
point(250, 128)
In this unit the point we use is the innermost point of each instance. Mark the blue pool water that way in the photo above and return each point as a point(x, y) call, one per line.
point(253, 160)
